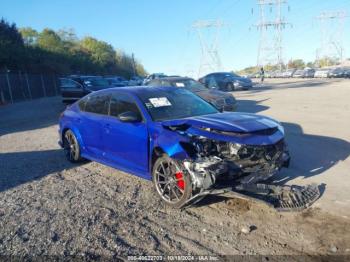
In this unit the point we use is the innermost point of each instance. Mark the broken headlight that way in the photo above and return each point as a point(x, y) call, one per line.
point(234, 148)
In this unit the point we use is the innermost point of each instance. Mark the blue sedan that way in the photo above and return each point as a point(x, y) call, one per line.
point(173, 137)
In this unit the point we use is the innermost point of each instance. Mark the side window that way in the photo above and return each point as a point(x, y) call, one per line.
point(219, 77)
point(165, 83)
point(82, 104)
point(97, 104)
point(69, 84)
point(121, 103)
point(211, 81)
point(153, 83)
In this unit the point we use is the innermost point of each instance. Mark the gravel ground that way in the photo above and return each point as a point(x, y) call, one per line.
point(51, 207)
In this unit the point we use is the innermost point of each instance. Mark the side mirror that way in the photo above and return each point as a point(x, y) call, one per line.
point(130, 117)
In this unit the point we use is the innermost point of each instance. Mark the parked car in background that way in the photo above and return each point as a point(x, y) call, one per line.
point(254, 75)
point(153, 76)
point(172, 137)
point(278, 74)
point(221, 100)
point(267, 74)
point(321, 73)
point(225, 81)
point(309, 72)
point(299, 73)
point(336, 72)
point(136, 81)
point(117, 81)
point(288, 73)
point(347, 72)
point(74, 87)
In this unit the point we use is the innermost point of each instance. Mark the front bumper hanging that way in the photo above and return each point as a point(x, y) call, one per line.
point(282, 198)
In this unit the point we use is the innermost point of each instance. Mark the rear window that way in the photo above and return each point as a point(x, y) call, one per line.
point(121, 103)
point(97, 104)
point(96, 83)
point(66, 83)
point(81, 104)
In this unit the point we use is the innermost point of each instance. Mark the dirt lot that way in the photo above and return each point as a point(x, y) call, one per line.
point(51, 207)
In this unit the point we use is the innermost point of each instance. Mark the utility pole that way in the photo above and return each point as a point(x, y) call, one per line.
point(271, 26)
point(133, 64)
point(332, 29)
point(209, 41)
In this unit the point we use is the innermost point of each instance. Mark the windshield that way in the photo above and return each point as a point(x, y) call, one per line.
point(174, 103)
point(189, 84)
point(96, 83)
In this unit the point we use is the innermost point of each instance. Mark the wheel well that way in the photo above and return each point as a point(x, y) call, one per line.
point(157, 152)
point(63, 132)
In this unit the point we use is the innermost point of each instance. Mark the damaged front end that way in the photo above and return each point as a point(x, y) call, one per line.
point(243, 163)
point(221, 163)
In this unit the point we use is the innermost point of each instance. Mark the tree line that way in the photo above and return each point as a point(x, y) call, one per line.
point(293, 63)
point(61, 52)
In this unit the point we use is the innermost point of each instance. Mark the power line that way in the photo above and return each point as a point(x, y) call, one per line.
point(332, 28)
point(209, 40)
point(270, 50)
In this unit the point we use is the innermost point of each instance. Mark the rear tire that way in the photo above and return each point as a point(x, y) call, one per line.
point(172, 184)
point(71, 147)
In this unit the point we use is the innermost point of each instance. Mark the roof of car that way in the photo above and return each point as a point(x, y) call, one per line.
point(220, 73)
point(175, 78)
point(138, 89)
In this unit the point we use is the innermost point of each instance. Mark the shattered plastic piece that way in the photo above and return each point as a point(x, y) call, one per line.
point(283, 198)
point(245, 230)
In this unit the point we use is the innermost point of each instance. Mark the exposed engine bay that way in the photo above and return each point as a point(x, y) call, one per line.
point(243, 163)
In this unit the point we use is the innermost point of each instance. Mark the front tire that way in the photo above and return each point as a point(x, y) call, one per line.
point(71, 147)
point(173, 185)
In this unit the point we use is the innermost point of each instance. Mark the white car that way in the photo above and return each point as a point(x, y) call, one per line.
point(288, 73)
point(322, 73)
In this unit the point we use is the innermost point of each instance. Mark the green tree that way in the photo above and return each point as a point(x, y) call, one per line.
point(11, 45)
point(50, 41)
point(310, 64)
point(29, 35)
point(296, 63)
point(101, 52)
point(61, 52)
point(326, 61)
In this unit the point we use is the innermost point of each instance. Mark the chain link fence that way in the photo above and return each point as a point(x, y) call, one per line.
point(20, 86)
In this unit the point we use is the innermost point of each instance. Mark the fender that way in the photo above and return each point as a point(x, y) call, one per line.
point(77, 134)
point(168, 142)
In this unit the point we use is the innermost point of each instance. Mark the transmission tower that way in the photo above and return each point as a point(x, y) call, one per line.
point(271, 24)
point(208, 34)
point(332, 28)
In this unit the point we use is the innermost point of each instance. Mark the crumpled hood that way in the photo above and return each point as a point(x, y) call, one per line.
point(227, 122)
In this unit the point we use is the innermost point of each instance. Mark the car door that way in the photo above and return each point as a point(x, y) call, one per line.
point(125, 144)
point(212, 82)
point(71, 90)
point(95, 111)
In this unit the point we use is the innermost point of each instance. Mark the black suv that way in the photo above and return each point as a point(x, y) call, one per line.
point(75, 87)
point(226, 81)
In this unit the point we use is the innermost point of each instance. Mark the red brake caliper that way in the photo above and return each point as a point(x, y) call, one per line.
point(180, 180)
